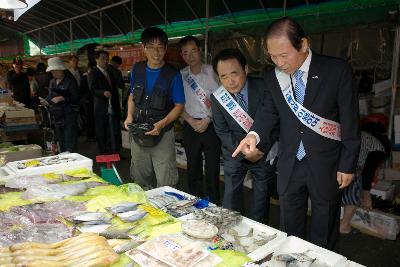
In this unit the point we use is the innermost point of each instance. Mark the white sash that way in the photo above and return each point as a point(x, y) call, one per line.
point(199, 92)
point(233, 108)
point(327, 128)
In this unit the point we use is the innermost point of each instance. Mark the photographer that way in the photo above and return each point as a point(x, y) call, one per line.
point(63, 100)
point(156, 100)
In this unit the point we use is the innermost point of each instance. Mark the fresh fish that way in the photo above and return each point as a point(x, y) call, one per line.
point(93, 228)
point(295, 259)
point(55, 191)
point(122, 207)
point(88, 217)
point(127, 246)
point(116, 233)
point(132, 216)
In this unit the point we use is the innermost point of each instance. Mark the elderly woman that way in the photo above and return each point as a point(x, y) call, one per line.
point(63, 99)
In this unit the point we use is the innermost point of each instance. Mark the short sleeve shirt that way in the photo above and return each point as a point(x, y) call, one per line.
point(207, 80)
point(177, 94)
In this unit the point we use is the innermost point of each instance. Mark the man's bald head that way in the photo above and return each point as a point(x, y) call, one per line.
point(286, 27)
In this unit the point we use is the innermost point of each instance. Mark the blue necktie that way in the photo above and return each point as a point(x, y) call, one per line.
point(242, 102)
point(300, 91)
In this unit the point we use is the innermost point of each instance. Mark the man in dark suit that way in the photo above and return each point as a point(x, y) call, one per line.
point(312, 98)
point(102, 84)
point(231, 125)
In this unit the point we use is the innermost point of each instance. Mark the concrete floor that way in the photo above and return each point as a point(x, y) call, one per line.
point(361, 248)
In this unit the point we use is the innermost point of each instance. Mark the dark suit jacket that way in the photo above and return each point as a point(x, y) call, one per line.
point(330, 94)
point(98, 84)
point(228, 130)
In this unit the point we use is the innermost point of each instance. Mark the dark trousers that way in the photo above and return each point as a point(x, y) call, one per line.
point(87, 113)
point(67, 134)
point(195, 144)
point(262, 174)
point(106, 129)
point(325, 213)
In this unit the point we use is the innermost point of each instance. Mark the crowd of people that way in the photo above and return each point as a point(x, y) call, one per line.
point(299, 121)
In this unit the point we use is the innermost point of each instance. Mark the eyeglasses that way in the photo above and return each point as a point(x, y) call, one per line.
point(151, 48)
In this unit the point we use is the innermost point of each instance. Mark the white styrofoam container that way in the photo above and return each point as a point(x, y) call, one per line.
point(262, 251)
point(161, 190)
point(384, 193)
point(354, 264)
point(294, 244)
point(79, 162)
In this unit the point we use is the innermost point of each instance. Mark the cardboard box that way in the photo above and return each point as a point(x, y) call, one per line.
point(396, 159)
point(391, 174)
point(24, 152)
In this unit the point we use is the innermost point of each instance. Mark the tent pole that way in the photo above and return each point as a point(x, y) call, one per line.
point(101, 23)
point(71, 38)
point(54, 38)
point(395, 69)
point(206, 33)
point(132, 23)
point(40, 43)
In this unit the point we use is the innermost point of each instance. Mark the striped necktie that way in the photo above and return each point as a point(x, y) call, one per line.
point(242, 102)
point(300, 91)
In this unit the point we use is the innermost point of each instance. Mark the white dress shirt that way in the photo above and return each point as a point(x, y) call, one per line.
point(206, 79)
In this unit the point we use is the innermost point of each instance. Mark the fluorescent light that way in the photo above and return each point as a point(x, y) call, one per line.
point(13, 4)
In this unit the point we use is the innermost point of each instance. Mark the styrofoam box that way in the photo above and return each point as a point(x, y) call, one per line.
point(79, 162)
point(294, 244)
point(385, 192)
point(161, 190)
point(262, 251)
point(354, 264)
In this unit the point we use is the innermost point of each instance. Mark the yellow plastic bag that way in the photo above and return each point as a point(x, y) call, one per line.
point(12, 199)
point(231, 258)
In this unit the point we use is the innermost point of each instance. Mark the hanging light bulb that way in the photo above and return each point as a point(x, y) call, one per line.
point(13, 4)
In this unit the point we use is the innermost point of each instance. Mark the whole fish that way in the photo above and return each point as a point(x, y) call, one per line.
point(132, 216)
point(295, 259)
point(122, 248)
point(122, 207)
point(88, 217)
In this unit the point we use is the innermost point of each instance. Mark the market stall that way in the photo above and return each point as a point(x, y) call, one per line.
point(57, 212)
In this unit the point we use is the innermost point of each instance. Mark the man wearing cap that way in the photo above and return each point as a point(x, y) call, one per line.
point(19, 82)
point(63, 99)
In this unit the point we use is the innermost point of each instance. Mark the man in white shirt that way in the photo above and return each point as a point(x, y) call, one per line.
point(199, 136)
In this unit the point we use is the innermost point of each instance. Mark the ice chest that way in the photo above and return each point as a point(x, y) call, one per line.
point(77, 161)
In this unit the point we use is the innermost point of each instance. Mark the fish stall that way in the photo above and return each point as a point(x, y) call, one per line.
point(54, 211)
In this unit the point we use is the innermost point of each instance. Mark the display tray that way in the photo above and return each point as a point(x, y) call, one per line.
point(353, 264)
point(78, 161)
point(163, 189)
point(258, 228)
point(294, 244)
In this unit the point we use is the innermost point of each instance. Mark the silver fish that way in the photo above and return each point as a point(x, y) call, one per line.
point(122, 207)
point(295, 259)
point(127, 246)
point(116, 233)
point(88, 217)
point(131, 216)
